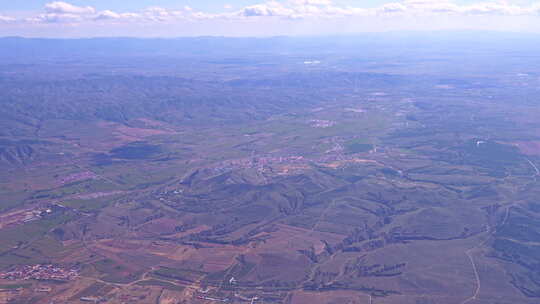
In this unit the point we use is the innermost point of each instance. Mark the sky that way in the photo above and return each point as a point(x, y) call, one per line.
point(177, 18)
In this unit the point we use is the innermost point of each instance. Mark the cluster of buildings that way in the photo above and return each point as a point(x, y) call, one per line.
point(32, 215)
point(20, 217)
point(355, 110)
point(257, 162)
point(92, 299)
point(77, 177)
point(319, 123)
point(40, 272)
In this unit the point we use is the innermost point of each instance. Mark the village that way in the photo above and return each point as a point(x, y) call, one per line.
point(40, 272)
point(22, 216)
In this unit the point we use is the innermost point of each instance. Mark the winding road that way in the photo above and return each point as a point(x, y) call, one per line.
point(534, 167)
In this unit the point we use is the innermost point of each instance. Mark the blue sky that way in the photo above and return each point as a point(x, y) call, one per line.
point(172, 18)
point(210, 5)
point(200, 4)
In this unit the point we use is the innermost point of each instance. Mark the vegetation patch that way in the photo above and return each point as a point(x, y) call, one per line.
point(14, 286)
point(137, 150)
point(358, 146)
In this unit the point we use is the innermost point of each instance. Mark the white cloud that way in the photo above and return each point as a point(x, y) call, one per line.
point(111, 15)
point(392, 8)
point(269, 9)
point(59, 7)
point(6, 19)
point(491, 8)
point(311, 2)
point(157, 14)
point(432, 6)
point(107, 14)
point(63, 12)
point(535, 9)
point(55, 18)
